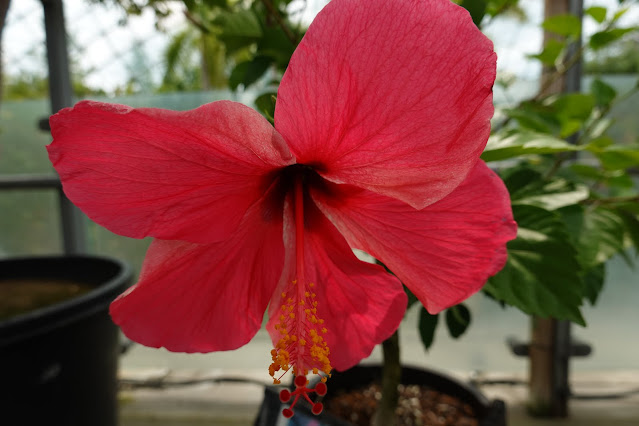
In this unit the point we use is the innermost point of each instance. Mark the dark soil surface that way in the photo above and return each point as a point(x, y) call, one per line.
point(418, 405)
point(23, 295)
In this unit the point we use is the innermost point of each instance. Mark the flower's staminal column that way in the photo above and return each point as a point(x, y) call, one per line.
point(302, 346)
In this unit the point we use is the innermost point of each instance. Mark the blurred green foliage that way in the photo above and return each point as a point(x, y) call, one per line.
point(230, 43)
point(573, 184)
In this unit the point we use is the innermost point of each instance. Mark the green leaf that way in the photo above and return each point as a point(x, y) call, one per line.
point(249, 72)
point(571, 110)
point(509, 8)
point(541, 276)
point(603, 93)
point(276, 44)
point(476, 8)
point(528, 187)
point(238, 29)
point(597, 13)
point(588, 172)
point(457, 320)
point(618, 157)
point(602, 235)
point(629, 207)
point(611, 178)
point(618, 14)
point(550, 52)
point(522, 181)
point(535, 115)
point(605, 37)
point(529, 119)
point(242, 23)
point(594, 282)
point(216, 3)
point(265, 103)
point(598, 233)
point(555, 200)
point(600, 143)
point(564, 25)
point(600, 127)
point(620, 181)
point(573, 106)
point(412, 299)
point(524, 143)
point(427, 327)
point(631, 222)
point(569, 127)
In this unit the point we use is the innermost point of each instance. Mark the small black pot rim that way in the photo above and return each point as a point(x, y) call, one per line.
point(42, 320)
point(487, 411)
point(467, 387)
point(470, 393)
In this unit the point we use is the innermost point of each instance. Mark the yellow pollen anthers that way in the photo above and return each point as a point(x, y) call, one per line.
point(302, 346)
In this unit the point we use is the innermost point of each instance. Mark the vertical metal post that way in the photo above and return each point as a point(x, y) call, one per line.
point(61, 95)
point(573, 74)
point(551, 342)
point(563, 339)
point(4, 9)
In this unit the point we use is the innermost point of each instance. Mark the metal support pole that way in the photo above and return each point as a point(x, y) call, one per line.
point(61, 95)
point(563, 338)
point(573, 74)
point(551, 343)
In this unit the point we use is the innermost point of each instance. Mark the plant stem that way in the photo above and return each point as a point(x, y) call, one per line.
point(391, 376)
point(559, 160)
point(274, 13)
point(196, 22)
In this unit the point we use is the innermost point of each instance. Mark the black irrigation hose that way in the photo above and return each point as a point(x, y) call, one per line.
point(161, 383)
point(612, 395)
point(492, 382)
point(577, 396)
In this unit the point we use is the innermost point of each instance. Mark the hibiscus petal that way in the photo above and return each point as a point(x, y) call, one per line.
point(204, 298)
point(392, 96)
point(361, 304)
point(173, 175)
point(443, 253)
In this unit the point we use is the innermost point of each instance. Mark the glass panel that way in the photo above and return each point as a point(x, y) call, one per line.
point(29, 223)
point(624, 113)
point(23, 144)
point(102, 242)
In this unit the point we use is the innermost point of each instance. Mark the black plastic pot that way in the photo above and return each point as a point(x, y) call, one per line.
point(58, 365)
point(489, 413)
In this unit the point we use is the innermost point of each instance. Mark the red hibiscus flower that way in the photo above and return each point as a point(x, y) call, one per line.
point(381, 117)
